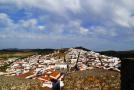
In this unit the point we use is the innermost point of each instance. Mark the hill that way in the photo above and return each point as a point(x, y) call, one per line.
point(120, 54)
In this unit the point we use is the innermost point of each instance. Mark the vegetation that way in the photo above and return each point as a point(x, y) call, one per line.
point(120, 54)
point(22, 53)
point(6, 53)
point(82, 48)
point(5, 56)
point(3, 68)
point(13, 83)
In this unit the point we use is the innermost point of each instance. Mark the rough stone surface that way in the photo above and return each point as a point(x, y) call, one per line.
point(97, 79)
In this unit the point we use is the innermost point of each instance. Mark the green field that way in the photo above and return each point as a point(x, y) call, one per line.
point(7, 55)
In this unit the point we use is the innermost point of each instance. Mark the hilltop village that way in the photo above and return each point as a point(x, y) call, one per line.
point(55, 66)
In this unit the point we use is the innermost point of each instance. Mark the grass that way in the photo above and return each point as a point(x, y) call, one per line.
point(13, 83)
point(130, 58)
point(7, 55)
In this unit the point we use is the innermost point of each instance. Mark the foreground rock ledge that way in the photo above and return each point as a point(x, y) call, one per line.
point(96, 79)
point(13, 83)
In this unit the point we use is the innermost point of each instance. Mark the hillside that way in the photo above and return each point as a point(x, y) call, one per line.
point(120, 54)
point(83, 68)
point(13, 83)
point(5, 53)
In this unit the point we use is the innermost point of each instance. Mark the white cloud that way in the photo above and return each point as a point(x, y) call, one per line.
point(96, 6)
point(101, 31)
point(3, 16)
point(41, 27)
point(59, 6)
point(11, 30)
point(120, 10)
point(123, 17)
point(29, 23)
point(5, 20)
point(83, 31)
point(66, 19)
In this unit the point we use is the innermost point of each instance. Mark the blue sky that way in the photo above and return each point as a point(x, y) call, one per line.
point(93, 24)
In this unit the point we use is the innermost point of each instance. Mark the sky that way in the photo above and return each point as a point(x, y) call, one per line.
point(93, 24)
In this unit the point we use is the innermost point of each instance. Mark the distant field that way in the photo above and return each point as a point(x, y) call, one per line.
point(130, 58)
point(22, 53)
point(120, 54)
point(15, 54)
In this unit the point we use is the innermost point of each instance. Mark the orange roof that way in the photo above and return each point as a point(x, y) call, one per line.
point(2, 62)
point(55, 74)
point(19, 62)
point(45, 78)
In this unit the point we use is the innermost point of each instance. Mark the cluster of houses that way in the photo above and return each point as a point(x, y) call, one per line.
point(6, 62)
point(2, 62)
point(90, 59)
point(40, 67)
point(48, 69)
